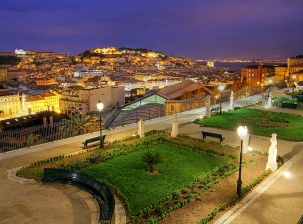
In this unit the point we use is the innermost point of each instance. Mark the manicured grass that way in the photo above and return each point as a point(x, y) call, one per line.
point(259, 122)
point(139, 188)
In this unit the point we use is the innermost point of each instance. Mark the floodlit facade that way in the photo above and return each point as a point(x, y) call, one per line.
point(257, 75)
point(9, 104)
point(83, 101)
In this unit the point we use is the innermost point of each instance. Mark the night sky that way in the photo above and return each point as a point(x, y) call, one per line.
point(196, 29)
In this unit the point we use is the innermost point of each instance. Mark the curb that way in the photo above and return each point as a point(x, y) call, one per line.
point(229, 216)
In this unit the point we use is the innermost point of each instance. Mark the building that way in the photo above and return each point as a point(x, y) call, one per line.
point(295, 69)
point(18, 74)
point(82, 101)
point(34, 104)
point(3, 75)
point(105, 50)
point(9, 103)
point(45, 81)
point(292, 62)
point(280, 73)
point(257, 75)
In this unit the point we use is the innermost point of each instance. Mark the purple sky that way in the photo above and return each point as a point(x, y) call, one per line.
point(196, 29)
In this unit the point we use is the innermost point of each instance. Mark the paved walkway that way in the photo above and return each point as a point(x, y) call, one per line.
point(279, 201)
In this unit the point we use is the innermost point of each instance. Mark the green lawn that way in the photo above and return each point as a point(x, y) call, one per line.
point(140, 189)
point(259, 122)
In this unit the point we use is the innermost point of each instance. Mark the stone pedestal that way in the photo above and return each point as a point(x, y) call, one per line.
point(272, 154)
point(269, 103)
point(141, 128)
point(231, 104)
point(245, 144)
point(174, 131)
point(207, 110)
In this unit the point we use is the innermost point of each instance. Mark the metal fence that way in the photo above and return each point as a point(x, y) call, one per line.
point(26, 137)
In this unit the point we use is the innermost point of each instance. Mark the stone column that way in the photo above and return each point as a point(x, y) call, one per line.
point(207, 111)
point(23, 102)
point(272, 154)
point(231, 105)
point(269, 104)
point(44, 122)
point(245, 144)
point(141, 128)
point(174, 131)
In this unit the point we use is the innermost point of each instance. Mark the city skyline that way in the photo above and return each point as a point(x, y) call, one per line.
point(193, 29)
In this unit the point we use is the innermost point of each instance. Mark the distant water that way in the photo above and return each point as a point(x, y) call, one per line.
point(237, 65)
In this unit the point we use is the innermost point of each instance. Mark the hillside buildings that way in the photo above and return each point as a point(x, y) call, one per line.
point(74, 84)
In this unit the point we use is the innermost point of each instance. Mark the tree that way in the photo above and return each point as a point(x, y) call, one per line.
point(34, 139)
point(78, 125)
point(152, 158)
point(31, 139)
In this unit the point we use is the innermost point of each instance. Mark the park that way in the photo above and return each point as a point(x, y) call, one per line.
point(190, 166)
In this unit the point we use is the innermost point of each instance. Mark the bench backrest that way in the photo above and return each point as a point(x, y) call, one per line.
point(89, 183)
point(211, 134)
point(95, 139)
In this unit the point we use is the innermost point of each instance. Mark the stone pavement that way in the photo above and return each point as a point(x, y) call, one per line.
point(278, 201)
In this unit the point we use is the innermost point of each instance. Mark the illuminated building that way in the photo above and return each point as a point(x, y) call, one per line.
point(257, 74)
point(82, 101)
point(10, 104)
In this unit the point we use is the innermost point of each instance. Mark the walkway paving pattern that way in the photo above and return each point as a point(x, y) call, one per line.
point(277, 200)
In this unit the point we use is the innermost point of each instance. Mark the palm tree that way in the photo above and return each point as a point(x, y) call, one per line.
point(152, 158)
point(31, 139)
point(34, 139)
point(78, 125)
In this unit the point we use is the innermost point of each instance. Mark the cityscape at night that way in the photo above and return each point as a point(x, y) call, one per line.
point(144, 112)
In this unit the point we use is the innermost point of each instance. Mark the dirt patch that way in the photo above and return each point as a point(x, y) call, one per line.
point(222, 192)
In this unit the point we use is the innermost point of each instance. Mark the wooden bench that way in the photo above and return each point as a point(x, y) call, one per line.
point(94, 139)
point(96, 187)
point(214, 135)
point(289, 105)
point(214, 109)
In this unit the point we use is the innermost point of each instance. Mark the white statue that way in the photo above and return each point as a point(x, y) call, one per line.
point(272, 154)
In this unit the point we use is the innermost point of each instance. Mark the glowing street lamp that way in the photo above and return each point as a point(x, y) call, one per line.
point(242, 131)
point(100, 108)
point(221, 87)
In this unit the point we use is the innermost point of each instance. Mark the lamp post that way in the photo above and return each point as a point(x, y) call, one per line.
point(242, 131)
point(100, 108)
point(221, 87)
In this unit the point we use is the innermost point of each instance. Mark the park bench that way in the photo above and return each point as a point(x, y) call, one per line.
point(94, 139)
point(214, 109)
point(96, 187)
point(214, 135)
point(289, 105)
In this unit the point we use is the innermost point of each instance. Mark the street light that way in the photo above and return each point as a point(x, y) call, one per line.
point(100, 108)
point(221, 87)
point(242, 131)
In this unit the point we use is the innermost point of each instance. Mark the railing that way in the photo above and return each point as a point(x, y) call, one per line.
point(26, 137)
